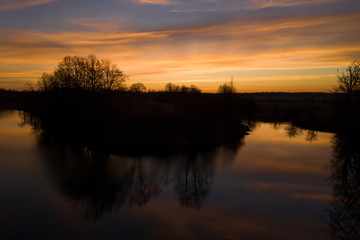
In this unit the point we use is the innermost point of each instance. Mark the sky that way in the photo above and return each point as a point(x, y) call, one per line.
point(265, 45)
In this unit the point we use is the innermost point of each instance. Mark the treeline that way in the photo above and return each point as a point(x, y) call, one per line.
point(91, 74)
point(169, 88)
point(12, 99)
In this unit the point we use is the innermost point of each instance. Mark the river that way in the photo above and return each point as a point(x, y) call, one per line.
point(273, 184)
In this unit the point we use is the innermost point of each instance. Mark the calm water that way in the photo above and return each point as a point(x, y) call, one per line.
point(269, 186)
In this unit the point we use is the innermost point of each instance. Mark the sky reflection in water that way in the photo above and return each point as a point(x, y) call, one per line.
point(270, 186)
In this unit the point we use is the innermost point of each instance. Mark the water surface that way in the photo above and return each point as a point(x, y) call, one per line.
point(274, 184)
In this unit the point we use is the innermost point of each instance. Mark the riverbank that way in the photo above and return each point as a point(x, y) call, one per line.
point(128, 123)
point(165, 122)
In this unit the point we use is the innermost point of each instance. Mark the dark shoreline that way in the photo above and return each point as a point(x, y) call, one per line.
point(138, 124)
point(160, 123)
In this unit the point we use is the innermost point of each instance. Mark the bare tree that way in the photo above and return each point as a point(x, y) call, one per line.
point(83, 73)
point(170, 87)
point(194, 89)
point(137, 88)
point(94, 72)
point(227, 88)
point(113, 77)
point(48, 82)
point(191, 89)
point(349, 79)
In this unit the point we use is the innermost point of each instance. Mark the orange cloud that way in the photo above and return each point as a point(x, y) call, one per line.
point(257, 4)
point(154, 2)
point(98, 24)
point(199, 6)
point(23, 4)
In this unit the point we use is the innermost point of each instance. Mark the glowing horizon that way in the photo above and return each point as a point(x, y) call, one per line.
point(279, 45)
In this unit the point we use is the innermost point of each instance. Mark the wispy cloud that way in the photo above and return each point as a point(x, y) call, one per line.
point(153, 2)
point(235, 5)
point(195, 10)
point(100, 25)
point(257, 4)
point(22, 4)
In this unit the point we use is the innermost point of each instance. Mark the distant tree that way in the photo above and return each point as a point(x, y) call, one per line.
point(30, 86)
point(191, 89)
point(194, 89)
point(151, 91)
point(184, 89)
point(137, 88)
point(349, 79)
point(83, 73)
point(170, 87)
point(227, 88)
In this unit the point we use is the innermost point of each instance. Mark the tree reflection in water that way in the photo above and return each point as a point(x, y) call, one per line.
point(293, 131)
point(344, 215)
point(103, 183)
point(100, 185)
point(194, 180)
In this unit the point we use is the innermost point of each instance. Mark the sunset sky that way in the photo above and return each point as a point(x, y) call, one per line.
point(266, 45)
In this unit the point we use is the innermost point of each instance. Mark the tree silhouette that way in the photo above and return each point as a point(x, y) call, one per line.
point(227, 88)
point(173, 88)
point(344, 215)
point(83, 73)
point(170, 87)
point(191, 89)
point(349, 79)
point(137, 88)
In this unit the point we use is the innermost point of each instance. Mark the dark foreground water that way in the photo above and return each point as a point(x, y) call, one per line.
point(272, 185)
